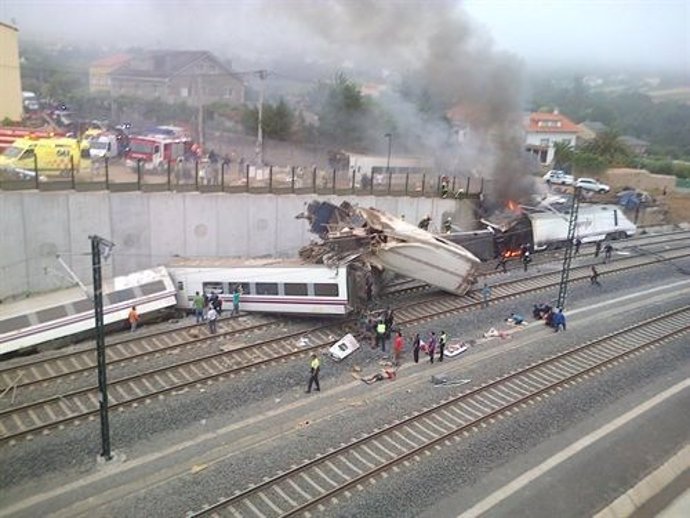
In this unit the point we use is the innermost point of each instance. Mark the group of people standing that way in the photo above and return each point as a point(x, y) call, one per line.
point(209, 307)
point(430, 346)
point(383, 328)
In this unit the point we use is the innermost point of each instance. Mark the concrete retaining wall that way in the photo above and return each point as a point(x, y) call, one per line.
point(150, 228)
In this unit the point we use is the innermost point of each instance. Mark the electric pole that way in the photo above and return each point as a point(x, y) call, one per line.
point(568, 254)
point(100, 246)
point(389, 136)
point(200, 116)
point(260, 134)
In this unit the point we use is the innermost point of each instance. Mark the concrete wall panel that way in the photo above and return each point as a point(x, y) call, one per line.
point(47, 234)
point(200, 225)
point(89, 214)
point(291, 233)
point(233, 230)
point(13, 258)
point(150, 228)
point(131, 232)
point(262, 225)
point(167, 222)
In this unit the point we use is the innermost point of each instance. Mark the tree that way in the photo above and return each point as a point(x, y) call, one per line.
point(588, 163)
point(276, 120)
point(609, 148)
point(563, 155)
point(61, 86)
point(344, 113)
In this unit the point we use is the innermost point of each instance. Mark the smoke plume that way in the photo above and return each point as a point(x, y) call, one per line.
point(438, 56)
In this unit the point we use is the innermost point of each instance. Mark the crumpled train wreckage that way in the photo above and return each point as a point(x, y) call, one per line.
point(377, 241)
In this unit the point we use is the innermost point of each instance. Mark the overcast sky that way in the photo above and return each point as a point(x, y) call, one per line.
point(627, 33)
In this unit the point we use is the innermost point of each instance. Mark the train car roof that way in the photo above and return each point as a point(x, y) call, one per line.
point(229, 262)
point(42, 301)
point(584, 209)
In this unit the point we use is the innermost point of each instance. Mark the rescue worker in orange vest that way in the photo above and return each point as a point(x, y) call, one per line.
point(133, 319)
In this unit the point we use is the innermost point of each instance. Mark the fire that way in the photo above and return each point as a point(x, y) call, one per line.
point(512, 253)
point(514, 207)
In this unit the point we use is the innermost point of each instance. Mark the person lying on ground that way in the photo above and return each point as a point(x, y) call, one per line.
point(380, 376)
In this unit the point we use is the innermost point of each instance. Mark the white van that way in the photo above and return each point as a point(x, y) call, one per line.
point(30, 101)
point(102, 146)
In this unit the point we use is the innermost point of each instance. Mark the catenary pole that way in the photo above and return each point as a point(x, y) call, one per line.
point(97, 244)
point(568, 254)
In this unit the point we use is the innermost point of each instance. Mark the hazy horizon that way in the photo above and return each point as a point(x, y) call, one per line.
point(608, 34)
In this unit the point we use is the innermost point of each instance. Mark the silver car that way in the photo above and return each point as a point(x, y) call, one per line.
point(590, 184)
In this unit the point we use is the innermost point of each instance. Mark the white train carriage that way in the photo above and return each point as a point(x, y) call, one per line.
point(67, 313)
point(594, 223)
point(269, 286)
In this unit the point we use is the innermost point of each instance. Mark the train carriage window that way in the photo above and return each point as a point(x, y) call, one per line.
point(120, 296)
point(152, 287)
point(14, 323)
point(50, 314)
point(296, 289)
point(267, 288)
point(244, 287)
point(325, 290)
point(212, 287)
point(82, 306)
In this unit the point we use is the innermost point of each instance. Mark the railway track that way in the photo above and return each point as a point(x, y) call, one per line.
point(307, 488)
point(40, 371)
point(41, 416)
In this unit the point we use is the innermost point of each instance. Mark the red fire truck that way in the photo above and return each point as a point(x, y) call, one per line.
point(154, 151)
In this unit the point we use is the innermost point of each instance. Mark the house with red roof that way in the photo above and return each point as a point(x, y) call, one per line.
point(543, 130)
point(99, 79)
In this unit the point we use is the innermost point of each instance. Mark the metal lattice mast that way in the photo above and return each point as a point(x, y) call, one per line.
point(568, 254)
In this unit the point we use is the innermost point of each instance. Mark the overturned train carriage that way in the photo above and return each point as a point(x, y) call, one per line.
point(545, 230)
point(376, 240)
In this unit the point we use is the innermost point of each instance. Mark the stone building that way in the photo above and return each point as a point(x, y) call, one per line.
point(193, 77)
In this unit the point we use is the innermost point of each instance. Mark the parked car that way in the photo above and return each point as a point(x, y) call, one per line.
point(558, 178)
point(590, 184)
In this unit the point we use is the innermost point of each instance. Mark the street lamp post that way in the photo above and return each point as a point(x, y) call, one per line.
point(389, 136)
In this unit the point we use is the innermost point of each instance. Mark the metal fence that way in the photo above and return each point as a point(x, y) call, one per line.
point(203, 176)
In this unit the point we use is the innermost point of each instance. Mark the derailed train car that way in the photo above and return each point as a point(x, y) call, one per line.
point(545, 230)
point(269, 286)
point(380, 242)
point(66, 316)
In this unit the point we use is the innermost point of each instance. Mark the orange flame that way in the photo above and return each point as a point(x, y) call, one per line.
point(515, 207)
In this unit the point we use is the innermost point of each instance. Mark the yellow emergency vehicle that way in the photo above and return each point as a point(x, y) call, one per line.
point(55, 156)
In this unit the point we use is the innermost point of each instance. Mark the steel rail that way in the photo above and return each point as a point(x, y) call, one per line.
point(287, 494)
point(31, 418)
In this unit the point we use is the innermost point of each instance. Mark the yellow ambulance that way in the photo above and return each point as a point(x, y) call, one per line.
point(55, 156)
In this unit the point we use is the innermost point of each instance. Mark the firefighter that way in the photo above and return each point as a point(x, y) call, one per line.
point(424, 223)
point(447, 226)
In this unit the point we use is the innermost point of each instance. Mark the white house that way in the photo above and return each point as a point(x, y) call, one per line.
point(543, 130)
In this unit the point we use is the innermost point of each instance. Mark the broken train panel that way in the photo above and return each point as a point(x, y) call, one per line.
point(376, 239)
